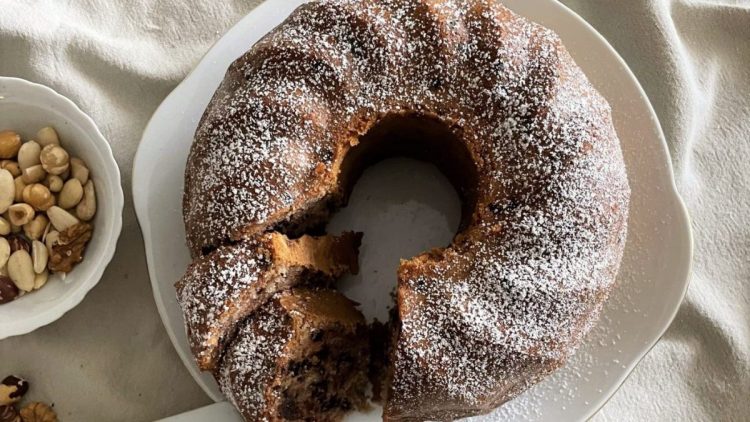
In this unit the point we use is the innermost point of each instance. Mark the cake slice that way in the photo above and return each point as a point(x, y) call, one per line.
point(301, 356)
point(222, 288)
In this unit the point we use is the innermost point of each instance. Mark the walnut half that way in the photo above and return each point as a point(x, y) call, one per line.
point(38, 412)
point(68, 251)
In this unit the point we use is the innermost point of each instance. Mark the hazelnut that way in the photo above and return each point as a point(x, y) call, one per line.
point(55, 159)
point(12, 388)
point(8, 290)
point(35, 228)
point(21, 214)
point(11, 166)
point(13, 228)
point(47, 136)
point(54, 183)
point(78, 170)
point(10, 142)
point(38, 196)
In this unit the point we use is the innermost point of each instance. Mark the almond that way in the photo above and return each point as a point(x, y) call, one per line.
point(7, 190)
point(21, 270)
point(39, 256)
point(28, 155)
point(87, 207)
point(71, 194)
point(47, 136)
point(60, 218)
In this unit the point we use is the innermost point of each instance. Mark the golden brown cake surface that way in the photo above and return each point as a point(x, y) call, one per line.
point(499, 105)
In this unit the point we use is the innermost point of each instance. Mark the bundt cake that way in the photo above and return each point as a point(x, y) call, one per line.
point(493, 100)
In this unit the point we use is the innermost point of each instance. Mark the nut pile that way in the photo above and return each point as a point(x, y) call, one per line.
point(12, 390)
point(47, 200)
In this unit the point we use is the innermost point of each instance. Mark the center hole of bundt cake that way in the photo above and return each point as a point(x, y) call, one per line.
point(404, 207)
point(408, 178)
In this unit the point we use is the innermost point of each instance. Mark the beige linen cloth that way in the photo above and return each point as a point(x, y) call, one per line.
point(110, 358)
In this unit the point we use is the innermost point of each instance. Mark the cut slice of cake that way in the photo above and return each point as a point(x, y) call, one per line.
point(222, 288)
point(302, 356)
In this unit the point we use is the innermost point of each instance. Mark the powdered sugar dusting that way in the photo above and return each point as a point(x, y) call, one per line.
point(250, 362)
point(510, 301)
point(210, 290)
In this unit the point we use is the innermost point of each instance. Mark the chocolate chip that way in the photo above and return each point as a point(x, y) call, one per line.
point(316, 335)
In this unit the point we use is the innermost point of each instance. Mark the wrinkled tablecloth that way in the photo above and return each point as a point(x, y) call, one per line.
point(110, 358)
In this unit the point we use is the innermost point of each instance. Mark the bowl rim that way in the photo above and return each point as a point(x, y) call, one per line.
point(117, 201)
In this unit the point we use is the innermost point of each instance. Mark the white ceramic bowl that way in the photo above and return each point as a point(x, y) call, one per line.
point(26, 107)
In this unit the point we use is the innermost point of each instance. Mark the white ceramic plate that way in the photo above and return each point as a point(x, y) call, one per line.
point(27, 107)
point(387, 199)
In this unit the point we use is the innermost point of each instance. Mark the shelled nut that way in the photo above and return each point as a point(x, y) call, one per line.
point(28, 154)
point(20, 185)
point(70, 247)
point(10, 142)
point(60, 218)
point(71, 194)
point(8, 289)
point(46, 196)
point(87, 207)
point(11, 166)
point(34, 229)
point(38, 412)
point(39, 256)
point(21, 270)
point(38, 196)
point(18, 242)
point(78, 170)
point(54, 183)
point(40, 279)
point(4, 227)
point(13, 228)
point(55, 159)
point(51, 239)
point(12, 389)
point(47, 136)
point(4, 251)
point(33, 174)
point(21, 214)
point(7, 190)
